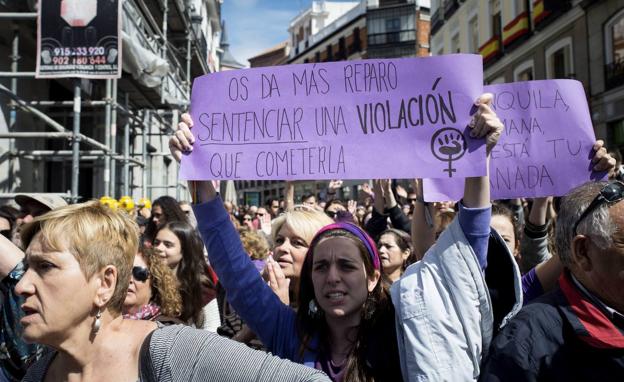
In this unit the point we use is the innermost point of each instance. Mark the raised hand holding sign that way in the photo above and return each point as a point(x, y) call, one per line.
point(545, 148)
point(331, 120)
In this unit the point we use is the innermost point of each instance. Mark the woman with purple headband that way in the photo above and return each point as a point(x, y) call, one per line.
point(345, 324)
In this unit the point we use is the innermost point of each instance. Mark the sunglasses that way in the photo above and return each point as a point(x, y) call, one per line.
point(140, 274)
point(611, 193)
point(331, 214)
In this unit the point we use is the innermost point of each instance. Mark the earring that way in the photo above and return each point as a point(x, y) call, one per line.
point(369, 307)
point(313, 310)
point(97, 323)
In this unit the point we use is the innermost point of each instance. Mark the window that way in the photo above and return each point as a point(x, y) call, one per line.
point(614, 39)
point(518, 6)
point(497, 80)
point(615, 132)
point(524, 71)
point(342, 48)
point(393, 26)
point(330, 53)
point(455, 43)
point(495, 11)
point(473, 35)
point(614, 51)
point(357, 44)
point(559, 59)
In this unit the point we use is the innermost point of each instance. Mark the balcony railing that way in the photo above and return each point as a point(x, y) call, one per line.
point(392, 37)
point(614, 74)
point(517, 28)
point(491, 49)
point(436, 21)
point(450, 6)
point(545, 11)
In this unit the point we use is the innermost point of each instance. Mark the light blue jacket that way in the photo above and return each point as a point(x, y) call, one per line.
point(444, 314)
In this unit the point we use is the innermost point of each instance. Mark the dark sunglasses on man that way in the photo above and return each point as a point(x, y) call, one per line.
point(140, 274)
point(613, 192)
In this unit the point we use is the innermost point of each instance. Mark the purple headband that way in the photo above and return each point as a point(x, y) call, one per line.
point(358, 232)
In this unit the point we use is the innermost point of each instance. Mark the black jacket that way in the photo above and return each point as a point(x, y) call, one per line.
point(543, 343)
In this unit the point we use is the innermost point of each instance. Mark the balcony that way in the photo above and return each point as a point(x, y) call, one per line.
point(614, 74)
point(491, 49)
point(450, 6)
point(516, 29)
point(404, 36)
point(545, 11)
point(437, 20)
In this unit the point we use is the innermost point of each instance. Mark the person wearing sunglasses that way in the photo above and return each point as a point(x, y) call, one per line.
point(70, 287)
point(153, 290)
point(575, 332)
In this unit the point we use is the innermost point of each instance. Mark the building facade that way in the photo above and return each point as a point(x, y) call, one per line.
point(275, 55)
point(338, 31)
point(124, 123)
point(543, 39)
point(605, 28)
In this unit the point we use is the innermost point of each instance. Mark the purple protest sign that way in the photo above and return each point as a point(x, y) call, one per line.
point(545, 149)
point(399, 118)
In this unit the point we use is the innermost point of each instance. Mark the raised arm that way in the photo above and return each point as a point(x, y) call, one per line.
point(11, 256)
point(250, 296)
point(534, 242)
point(475, 209)
point(289, 203)
point(397, 217)
point(180, 143)
point(423, 227)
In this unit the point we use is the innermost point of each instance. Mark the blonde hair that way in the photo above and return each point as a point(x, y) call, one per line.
point(254, 244)
point(164, 283)
point(96, 236)
point(305, 222)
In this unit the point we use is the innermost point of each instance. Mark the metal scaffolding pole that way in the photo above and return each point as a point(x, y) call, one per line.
point(107, 137)
point(164, 45)
point(49, 121)
point(69, 153)
point(76, 143)
point(146, 126)
point(13, 114)
point(18, 15)
point(67, 103)
point(174, 122)
point(36, 134)
point(113, 142)
point(126, 152)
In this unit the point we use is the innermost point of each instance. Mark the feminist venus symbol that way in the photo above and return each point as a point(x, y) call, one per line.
point(448, 145)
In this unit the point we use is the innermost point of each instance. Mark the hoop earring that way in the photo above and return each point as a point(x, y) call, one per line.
point(98, 322)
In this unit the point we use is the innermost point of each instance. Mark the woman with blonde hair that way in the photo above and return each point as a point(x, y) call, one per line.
point(153, 290)
point(72, 290)
point(292, 233)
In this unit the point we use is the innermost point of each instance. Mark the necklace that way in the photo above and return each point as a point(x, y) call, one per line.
point(338, 365)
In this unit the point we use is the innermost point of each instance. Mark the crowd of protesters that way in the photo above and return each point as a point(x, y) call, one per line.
point(385, 287)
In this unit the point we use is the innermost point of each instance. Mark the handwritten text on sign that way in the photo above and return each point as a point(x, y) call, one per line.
point(349, 120)
point(546, 145)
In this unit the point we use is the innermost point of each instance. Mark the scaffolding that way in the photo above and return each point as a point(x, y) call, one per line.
point(139, 107)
